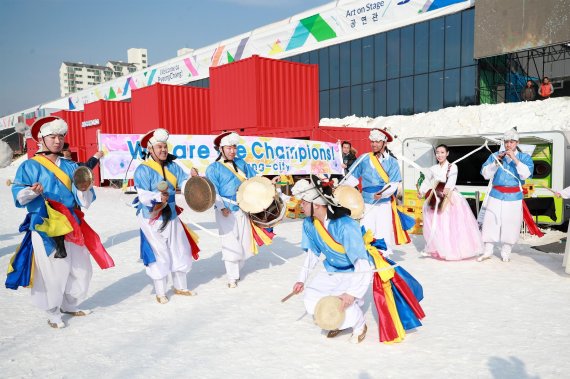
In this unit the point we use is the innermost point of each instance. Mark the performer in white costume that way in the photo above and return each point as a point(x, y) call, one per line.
point(167, 245)
point(565, 194)
point(53, 258)
point(326, 233)
point(227, 173)
point(452, 233)
point(380, 172)
point(503, 215)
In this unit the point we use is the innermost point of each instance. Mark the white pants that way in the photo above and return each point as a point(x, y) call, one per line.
point(60, 282)
point(378, 218)
point(170, 247)
point(235, 231)
point(334, 285)
point(502, 222)
point(567, 252)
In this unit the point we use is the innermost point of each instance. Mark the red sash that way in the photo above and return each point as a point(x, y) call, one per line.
point(83, 235)
point(527, 217)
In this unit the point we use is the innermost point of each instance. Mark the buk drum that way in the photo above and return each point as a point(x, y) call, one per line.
point(199, 193)
point(349, 197)
point(82, 178)
point(328, 313)
point(271, 216)
point(258, 198)
point(436, 196)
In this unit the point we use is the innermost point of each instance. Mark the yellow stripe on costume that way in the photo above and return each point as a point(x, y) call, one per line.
point(193, 235)
point(33, 270)
point(33, 273)
point(386, 273)
point(329, 241)
point(158, 168)
point(240, 174)
point(58, 172)
point(55, 224)
point(400, 235)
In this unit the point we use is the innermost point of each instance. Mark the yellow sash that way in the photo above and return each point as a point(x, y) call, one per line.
point(240, 174)
point(400, 235)
point(52, 167)
point(158, 168)
point(327, 238)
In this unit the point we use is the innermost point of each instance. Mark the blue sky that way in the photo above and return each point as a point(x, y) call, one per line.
point(37, 35)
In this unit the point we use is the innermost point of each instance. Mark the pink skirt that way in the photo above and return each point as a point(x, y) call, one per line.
point(456, 234)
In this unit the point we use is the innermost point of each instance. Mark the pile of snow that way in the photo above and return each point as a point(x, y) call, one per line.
point(551, 114)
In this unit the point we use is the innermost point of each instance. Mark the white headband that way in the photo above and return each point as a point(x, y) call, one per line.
point(159, 135)
point(230, 140)
point(305, 191)
point(511, 135)
point(57, 127)
point(377, 136)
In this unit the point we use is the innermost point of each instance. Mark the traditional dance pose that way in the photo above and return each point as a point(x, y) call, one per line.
point(503, 213)
point(236, 230)
point(350, 257)
point(380, 175)
point(53, 258)
point(167, 244)
point(450, 229)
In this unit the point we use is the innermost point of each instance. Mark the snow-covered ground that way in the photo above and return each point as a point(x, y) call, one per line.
point(484, 320)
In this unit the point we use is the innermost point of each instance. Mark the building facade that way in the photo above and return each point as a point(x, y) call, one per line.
point(78, 76)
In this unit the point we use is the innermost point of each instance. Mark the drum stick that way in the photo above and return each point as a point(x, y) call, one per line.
point(9, 182)
point(383, 190)
point(288, 297)
point(549, 189)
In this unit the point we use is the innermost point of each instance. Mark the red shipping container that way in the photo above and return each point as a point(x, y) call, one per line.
point(111, 117)
point(264, 94)
point(179, 109)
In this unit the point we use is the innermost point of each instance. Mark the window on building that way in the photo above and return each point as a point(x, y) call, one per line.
point(334, 67)
point(407, 51)
point(436, 44)
point(468, 94)
point(324, 109)
point(421, 47)
point(435, 99)
point(451, 88)
point(452, 40)
point(407, 95)
point(368, 100)
point(344, 102)
point(380, 57)
point(467, 37)
point(324, 68)
point(334, 101)
point(356, 100)
point(356, 62)
point(380, 98)
point(393, 54)
point(393, 97)
point(421, 93)
point(344, 64)
point(368, 59)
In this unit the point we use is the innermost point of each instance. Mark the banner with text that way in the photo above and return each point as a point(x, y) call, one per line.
point(268, 156)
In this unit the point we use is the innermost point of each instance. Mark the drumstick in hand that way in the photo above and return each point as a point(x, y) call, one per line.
point(288, 297)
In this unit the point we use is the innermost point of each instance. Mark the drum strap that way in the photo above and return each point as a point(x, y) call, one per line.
point(52, 167)
point(162, 171)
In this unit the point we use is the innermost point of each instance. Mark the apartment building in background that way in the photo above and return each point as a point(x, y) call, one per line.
point(77, 76)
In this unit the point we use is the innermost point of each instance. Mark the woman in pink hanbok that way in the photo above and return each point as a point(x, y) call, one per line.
point(450, 229)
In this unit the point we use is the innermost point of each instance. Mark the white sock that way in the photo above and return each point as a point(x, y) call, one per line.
point(179, 280)
point(160, 287)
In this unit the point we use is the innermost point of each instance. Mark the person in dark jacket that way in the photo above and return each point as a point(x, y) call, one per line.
point(91, 162)
point(528, 92)
point(348, 156)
